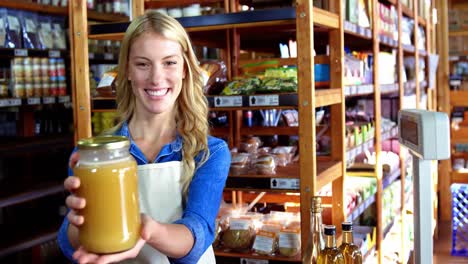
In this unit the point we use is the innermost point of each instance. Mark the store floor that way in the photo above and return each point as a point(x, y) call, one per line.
point(443, 246)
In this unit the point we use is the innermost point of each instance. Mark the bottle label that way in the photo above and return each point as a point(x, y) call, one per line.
point(289, 240)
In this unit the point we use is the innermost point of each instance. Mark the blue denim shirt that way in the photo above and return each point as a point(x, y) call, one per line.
point(204, 194)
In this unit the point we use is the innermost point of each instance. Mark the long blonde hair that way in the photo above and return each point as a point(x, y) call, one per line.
point(191, 105)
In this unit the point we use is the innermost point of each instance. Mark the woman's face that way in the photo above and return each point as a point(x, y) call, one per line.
point(156, 71)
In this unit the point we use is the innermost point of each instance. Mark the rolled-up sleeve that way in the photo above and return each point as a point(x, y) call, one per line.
point(204, 197)
point(64, 242)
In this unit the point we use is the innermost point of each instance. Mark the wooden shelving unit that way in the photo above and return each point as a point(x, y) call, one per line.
point(311, 173)
point(448, 99)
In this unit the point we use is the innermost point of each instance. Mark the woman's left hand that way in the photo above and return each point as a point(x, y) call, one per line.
point(83, 256)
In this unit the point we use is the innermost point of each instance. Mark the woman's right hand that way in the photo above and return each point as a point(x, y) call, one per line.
point(74, 202)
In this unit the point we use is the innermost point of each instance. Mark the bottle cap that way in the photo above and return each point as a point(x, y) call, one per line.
point(347, 226)
point(104, 142)
point(330, 230)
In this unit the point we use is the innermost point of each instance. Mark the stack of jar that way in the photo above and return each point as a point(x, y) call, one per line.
point(34, 77)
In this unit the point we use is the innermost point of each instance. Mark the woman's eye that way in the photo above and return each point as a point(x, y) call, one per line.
point(142, 64)
point(169, 63)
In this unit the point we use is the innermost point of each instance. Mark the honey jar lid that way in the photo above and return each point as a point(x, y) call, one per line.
point(104, 142)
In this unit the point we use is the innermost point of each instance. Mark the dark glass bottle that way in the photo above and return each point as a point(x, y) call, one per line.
point(316, 241)
point(330, 254)
point(350, 251)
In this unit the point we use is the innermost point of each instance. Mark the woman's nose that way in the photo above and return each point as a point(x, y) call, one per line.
point(156, 75)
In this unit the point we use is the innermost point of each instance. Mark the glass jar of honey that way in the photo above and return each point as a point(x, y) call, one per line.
point(109, 183)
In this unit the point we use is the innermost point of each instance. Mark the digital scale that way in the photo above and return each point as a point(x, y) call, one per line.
point(426, 135)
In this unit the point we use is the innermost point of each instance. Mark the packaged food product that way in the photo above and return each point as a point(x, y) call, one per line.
point(267, 238)
point(290, 241)
point(29, 29)
point(3, 29)
point(240, 233)
point(45, 32)
point(240, 163)
point(215, 76)
point(13, 37)
point(265, 165)
point(107, 85)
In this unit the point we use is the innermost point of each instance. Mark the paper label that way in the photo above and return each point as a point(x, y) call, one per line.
point(107, 79)
point(48, 100)
point(264, 241)
point(34, 100)
point(289, 240)
point(228, 101)
point(30, 26)
point(264, 100)
point(280, 183)
point(21, 52)
point(239, 224)
point(54, 54)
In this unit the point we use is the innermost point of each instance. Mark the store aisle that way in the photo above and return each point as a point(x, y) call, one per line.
point(443, 246)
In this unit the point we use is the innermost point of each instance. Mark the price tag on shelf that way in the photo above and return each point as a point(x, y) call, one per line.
point(108, 56)
point(281, 183)
point(21, 52)
point(54, 54)
point(48, 100)
point(91, 56)
point(64, 99)
point(228, 101)
point(10, 102)
point(34, 100)
point(264, 100)
point(253, 261)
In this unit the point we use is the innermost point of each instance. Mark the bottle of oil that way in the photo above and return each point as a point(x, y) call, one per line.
point(330, 254)
point(350, 251)
point(316, 241)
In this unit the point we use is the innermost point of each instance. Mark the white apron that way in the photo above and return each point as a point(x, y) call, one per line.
point(161, 199)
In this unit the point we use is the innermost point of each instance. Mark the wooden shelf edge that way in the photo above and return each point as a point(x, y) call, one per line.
point(458, 98)
point(328, 172)
point(222, 253)
point(171, 3)
point(459, 177)
point(37, 240)
point(324, 97)
point(107, 17)
point(35, 7)
point(30, 195)
point(325, 18)
point(455, 33)
point(269, 131)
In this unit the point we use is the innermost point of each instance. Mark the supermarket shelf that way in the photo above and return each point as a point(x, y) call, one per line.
point(50, 53)
point(355, 151)
point(10, 146)
point(456, 33)
point(227, 257)
point(29, 195)
point(11, 102)
point(269, 131)
point(106, 58)
point(388, 227)
point(390, 178)
point(389, 88)
point(58, 10)
point(323, 97)
point(16, 246)
point(219, 131)
point(248, 19)
point(278, 198)
point(285, 179)
point(361, 208)
point(356, 30)
point(368, 254)
point(178, 3)
point(459, 135)
point(358, 90)
point(387, 41)
point(460, 177)
point(459, 98)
